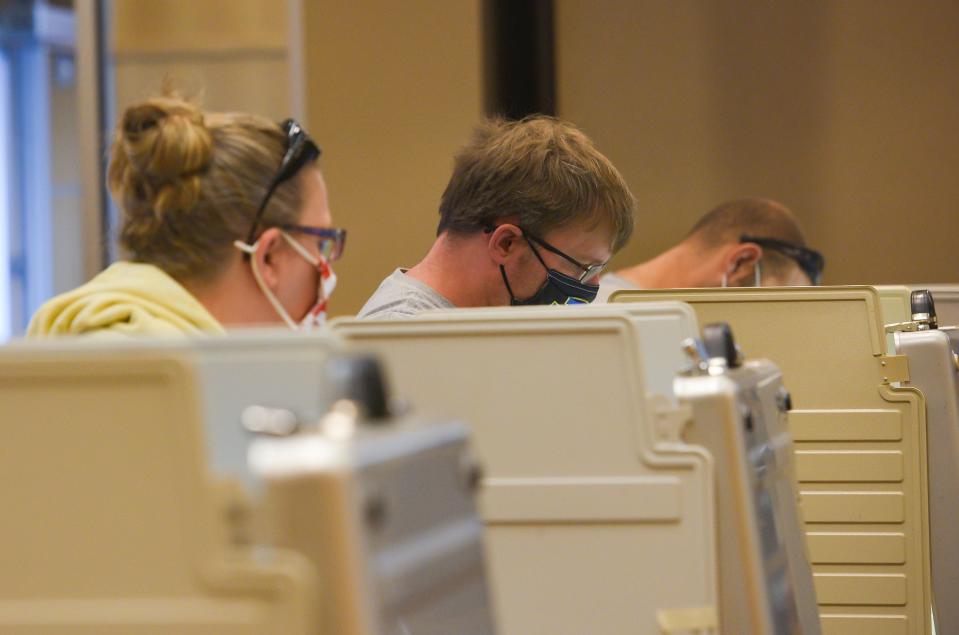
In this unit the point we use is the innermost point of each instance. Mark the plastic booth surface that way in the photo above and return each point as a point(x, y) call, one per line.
point(860, 444)
point(601, 515)
point(930, 348)
point(130, 505)
point(739, 412)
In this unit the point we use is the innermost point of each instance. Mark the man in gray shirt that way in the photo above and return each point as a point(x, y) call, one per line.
point(531, 215)
point(401, 296)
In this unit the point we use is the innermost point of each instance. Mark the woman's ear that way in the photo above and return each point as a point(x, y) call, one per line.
point(740, 261)
point(504, 242)
point(267, 258)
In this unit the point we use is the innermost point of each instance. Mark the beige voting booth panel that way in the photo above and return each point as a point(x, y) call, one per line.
point(894, 308)
point(133, 505)
point(894, 303)
point(599, 518)
point(111, 521)
point(860, 446)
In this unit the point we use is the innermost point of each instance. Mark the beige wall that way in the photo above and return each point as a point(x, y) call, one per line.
point(846, 111)
point(393, 91)
point(231, 54)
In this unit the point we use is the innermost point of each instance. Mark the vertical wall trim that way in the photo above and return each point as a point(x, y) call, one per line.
point(519, 74)
point(91, 60)
point(296, 59)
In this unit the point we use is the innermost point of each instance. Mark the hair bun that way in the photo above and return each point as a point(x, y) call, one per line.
point(161, 150)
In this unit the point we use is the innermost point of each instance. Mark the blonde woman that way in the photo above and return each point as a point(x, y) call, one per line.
point(225, 222)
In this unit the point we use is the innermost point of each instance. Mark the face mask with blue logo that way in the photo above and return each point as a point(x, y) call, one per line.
point(559, 288)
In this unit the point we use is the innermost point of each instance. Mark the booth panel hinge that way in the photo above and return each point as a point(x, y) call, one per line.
point(893, 368)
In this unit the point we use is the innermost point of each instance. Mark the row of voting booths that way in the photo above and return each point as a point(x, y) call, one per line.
point(744, 462)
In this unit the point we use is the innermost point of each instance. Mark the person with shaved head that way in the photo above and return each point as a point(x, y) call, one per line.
point(745, 242)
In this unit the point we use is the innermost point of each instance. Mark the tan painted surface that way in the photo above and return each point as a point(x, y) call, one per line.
point(227, 55)
point(394, 91)
point(845, 111)
point(166, 26)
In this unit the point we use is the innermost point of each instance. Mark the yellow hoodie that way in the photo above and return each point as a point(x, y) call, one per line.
point(127, 298)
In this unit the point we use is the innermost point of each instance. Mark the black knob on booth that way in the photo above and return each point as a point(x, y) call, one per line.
point(719, 342)
point(360, 378)
point(921, 301)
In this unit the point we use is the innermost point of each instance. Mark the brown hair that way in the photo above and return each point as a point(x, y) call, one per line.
point(188, 184)
point(756, 217)
point(542, 170)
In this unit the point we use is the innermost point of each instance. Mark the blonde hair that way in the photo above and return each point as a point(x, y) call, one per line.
point(189, 183)
point(543, 170)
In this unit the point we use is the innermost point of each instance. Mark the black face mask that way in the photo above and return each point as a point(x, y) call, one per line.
point(558, 289)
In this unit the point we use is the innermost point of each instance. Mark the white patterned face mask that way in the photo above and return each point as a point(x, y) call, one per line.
point(316, 316)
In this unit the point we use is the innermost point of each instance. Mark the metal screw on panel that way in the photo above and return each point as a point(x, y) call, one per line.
point(238, 519)
point(471, 471)
point(695, 355)
point(375, 511)
point(784, 400)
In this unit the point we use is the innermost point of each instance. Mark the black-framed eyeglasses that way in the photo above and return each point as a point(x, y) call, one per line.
point(589, 271)
point(301, 150)
point(330, 240)
point(809, 260)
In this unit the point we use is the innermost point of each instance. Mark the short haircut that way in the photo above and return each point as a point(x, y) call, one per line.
point(756, 217)
point(544, 171)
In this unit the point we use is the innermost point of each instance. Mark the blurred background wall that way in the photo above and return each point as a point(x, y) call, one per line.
point(393, 91)
point(847, 111)
point(230, 54)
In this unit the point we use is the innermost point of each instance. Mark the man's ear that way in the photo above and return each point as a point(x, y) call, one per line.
point(740, 261)
point(504, 242)
point(268, 246)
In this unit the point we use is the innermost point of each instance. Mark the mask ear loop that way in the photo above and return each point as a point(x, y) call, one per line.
point(757, 275)
point(509, 289)
point(502, 270)
point(536, 253)
point(300, 249)
point(251, 250)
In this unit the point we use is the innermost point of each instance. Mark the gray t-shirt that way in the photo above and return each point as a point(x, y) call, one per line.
point(400, 297)
point(611, 282)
